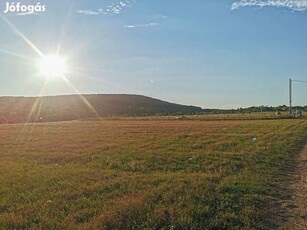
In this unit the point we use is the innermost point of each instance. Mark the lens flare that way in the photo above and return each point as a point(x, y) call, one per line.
point(53, 66)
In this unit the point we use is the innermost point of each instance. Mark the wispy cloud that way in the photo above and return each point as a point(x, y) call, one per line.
point(26, 14)
point(159, 16)
point(142, 25)
point(88, 12)
point(296, 5)
point(114, 7)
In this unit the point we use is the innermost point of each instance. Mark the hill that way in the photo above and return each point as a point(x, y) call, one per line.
point(71, 107)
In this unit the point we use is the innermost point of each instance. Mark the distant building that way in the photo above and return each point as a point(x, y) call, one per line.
point(298, 113)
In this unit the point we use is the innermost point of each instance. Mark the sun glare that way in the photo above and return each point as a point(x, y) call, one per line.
point(53, 66)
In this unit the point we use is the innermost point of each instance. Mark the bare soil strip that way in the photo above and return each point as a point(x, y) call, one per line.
point(296, 206)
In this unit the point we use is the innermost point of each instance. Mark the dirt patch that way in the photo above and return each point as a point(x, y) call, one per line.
point(296, 206)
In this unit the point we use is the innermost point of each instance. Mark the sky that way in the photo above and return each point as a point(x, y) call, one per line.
point(209, 53)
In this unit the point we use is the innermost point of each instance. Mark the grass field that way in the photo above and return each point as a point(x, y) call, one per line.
point(214, 117)
point(153, 174)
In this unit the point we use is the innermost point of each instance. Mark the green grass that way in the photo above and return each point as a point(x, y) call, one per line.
point(153, 174)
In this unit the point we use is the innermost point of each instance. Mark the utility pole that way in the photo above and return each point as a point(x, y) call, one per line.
point(290, 93)
point(290, 96)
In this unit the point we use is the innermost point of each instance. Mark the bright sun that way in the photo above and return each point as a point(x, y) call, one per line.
point(53, 66)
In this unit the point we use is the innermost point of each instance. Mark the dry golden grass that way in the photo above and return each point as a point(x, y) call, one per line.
point(154, 174)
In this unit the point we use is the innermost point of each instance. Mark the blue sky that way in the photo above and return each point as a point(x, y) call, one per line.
point(210, 53)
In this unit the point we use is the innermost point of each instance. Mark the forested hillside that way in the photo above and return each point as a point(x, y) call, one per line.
point(71, 107)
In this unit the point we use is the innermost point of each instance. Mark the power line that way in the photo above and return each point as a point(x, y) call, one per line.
point(299, 81)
